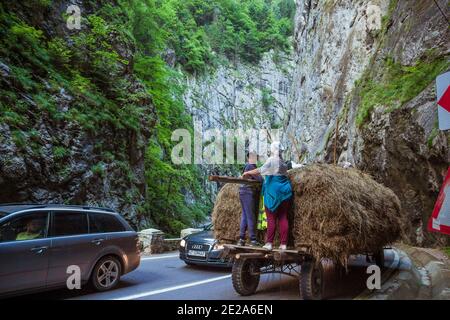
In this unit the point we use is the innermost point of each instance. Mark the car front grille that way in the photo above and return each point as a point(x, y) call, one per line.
point(197, 247)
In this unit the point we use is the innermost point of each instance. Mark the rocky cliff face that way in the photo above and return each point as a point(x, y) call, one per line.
point(50, 155)
point(365, 67)
point(368, 67)
point(242, 95)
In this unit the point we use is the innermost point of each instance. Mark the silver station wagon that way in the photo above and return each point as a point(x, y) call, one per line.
point(44, 247)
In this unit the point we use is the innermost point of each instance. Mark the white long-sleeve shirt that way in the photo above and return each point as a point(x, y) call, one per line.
point(274, 166)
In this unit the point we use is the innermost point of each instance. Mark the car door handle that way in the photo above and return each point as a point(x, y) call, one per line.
point(39, 250)
point(97, 241)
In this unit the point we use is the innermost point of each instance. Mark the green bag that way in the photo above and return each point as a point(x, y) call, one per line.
point(262, 218)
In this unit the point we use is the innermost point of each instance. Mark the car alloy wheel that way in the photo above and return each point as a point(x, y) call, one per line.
point(107, 273)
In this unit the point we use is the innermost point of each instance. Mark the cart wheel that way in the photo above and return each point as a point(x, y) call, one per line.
point(244, 281)
point(311, 281)
point(379, 258)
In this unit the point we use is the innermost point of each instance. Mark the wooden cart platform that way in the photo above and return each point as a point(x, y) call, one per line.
point(239, 252)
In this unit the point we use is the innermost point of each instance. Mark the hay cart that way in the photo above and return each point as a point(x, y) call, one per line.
point(249, 262)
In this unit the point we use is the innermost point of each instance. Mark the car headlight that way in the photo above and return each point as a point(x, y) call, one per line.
point(218, 246)
point(182, 243)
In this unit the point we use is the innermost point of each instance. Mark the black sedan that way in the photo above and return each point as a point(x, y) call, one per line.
point(202, 249)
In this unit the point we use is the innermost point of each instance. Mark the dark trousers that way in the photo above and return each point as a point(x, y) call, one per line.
point(281, 216)
point(248, 215)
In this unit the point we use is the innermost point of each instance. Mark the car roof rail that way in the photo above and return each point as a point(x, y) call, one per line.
point(99, 208)
point(85, 207)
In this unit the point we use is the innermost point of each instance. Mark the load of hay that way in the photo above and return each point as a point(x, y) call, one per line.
point(226, 216)
point(337, 211)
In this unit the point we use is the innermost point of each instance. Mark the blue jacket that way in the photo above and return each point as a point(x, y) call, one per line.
point(276, 189)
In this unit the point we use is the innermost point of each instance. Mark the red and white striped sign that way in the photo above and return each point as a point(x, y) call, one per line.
point(443, 100)
point(440, 219)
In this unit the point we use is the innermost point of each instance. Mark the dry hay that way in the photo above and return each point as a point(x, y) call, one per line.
point(342, 211)
point(336, 211)
point(226, 216)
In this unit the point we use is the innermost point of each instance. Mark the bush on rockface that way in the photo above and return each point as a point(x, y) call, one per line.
point(102, 97)
point(398, 85)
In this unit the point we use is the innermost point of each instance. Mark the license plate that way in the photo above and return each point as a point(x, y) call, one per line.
point(197, 253)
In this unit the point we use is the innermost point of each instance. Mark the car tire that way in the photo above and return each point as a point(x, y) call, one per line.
point(106, 273)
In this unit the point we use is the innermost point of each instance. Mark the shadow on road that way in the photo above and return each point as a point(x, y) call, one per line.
point(166, 273)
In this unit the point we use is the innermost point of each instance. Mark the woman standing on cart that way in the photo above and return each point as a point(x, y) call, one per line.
point(277, 192)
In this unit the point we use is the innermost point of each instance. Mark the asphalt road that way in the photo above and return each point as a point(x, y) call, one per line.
point(167, 277)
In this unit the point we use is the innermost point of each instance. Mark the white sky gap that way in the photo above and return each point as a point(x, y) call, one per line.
point(159, 291)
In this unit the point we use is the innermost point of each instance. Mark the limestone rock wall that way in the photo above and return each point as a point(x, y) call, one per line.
point(342, 50)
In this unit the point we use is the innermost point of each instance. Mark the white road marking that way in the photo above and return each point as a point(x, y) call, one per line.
point(159, 291)
point(159, 257)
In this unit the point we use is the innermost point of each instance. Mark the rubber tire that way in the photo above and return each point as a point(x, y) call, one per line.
point(243, 283)
point(94, 281)
point(379, 258)
point(307, 281)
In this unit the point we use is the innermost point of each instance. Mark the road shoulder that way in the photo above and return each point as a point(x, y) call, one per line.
point(422, 273)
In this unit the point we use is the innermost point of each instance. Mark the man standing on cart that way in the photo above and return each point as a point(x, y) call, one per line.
point(249, 198)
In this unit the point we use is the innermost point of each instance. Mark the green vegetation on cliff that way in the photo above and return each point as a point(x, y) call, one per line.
point(396, 84)
point(390, 84)
point(111, 78)
point(201, 32)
